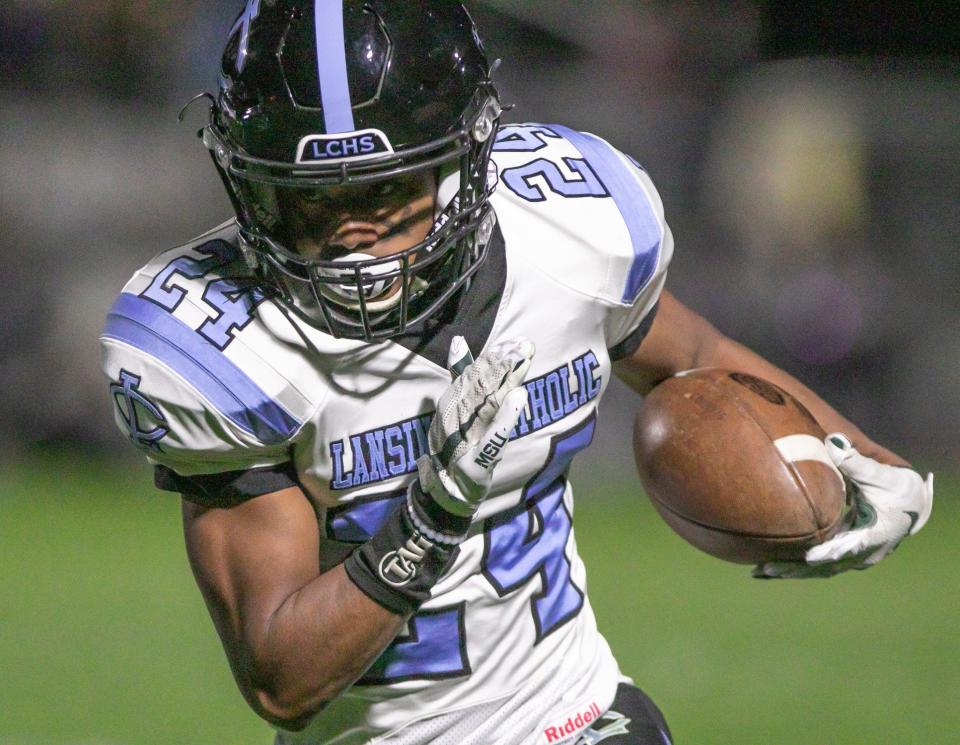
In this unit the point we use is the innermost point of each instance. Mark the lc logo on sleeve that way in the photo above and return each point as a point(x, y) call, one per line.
point(137, 411)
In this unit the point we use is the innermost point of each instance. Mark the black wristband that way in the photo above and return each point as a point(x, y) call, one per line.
point(431, 519)
point(398, 566)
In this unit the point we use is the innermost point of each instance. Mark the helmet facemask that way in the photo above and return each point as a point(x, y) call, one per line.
point(344, 291)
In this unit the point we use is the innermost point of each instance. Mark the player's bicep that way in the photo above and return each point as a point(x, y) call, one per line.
point(677, 340)
point(248, 560)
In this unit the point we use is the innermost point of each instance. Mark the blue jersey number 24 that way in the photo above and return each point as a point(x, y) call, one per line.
point(528, 180)
point(232, 301)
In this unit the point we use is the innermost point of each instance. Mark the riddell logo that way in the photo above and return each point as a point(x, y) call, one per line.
point(573, 724)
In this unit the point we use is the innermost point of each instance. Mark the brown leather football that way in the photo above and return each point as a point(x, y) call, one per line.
point(737, 467)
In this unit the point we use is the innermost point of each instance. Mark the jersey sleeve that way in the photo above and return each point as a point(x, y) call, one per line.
point(218, 427)
point(629, 320)
point(637, 263)
point(589, 216)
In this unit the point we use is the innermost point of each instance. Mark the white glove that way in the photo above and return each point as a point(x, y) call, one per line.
point(473, 422)
point(891, 502)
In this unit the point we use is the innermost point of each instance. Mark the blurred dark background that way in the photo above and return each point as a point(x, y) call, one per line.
point(808, 156)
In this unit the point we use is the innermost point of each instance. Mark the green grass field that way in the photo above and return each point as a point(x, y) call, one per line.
point(104, 639)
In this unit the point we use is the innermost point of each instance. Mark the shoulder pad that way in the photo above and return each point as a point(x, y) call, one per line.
point(195, 377)
point(582, 210)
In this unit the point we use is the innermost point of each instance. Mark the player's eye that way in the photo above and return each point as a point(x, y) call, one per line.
point(398, 190)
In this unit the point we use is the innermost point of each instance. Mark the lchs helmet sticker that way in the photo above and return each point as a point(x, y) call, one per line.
point(399, 568)
point(347, 147)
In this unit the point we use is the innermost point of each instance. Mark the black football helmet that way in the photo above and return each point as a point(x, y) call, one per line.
point(355, 101)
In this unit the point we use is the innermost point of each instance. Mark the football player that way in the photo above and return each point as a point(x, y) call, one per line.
point(369, 384)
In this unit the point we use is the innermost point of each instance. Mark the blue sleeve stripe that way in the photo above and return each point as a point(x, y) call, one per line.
point(633, 203)
point(145, 326)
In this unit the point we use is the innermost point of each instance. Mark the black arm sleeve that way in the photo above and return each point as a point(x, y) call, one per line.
point(397, 567)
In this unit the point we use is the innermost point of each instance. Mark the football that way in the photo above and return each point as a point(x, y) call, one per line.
point(737, 467)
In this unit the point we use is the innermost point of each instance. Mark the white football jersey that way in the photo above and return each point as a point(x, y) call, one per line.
point(227, 393)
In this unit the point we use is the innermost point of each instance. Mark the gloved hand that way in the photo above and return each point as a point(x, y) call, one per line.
point(471, 426)
point(891, 502)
